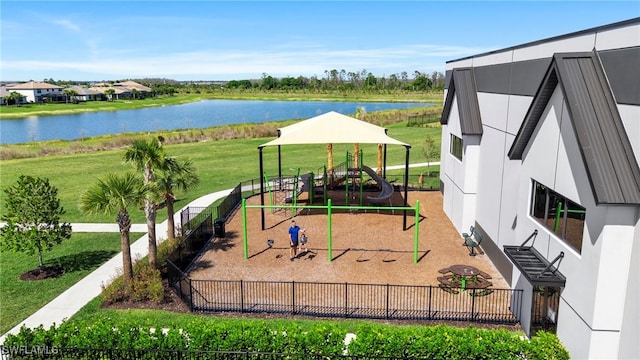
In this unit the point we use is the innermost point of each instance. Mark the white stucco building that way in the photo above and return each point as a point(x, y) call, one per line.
point(540, 151)
point(35, 91)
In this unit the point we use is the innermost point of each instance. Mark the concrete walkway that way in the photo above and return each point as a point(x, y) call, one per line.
point(73, 299)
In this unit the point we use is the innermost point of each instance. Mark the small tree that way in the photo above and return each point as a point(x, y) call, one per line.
point(109, 93)
point(14, 97)
point(431, 151)
point(32, 217)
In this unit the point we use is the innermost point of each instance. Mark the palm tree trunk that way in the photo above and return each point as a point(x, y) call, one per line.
point(124, 224)
point(171, 227)
point(150, 212)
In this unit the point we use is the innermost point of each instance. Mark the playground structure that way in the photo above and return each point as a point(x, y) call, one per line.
point(321, 130)
point(352, 176)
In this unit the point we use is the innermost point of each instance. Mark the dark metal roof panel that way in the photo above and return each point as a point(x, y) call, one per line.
point(468, 107)
point(621, 67)
point(606, 151)
point(534, 266)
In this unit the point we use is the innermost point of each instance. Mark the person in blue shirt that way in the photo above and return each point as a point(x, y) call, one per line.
point(294, 231)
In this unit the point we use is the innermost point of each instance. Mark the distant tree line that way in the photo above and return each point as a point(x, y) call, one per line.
point(332, 81)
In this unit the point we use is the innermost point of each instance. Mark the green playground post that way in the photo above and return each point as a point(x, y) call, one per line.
point(245, 241)
point(416, 233)
point(329, 242)
point(558, 211)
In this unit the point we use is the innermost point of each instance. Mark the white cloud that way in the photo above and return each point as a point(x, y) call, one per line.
point(211, 64)
point(67, 24)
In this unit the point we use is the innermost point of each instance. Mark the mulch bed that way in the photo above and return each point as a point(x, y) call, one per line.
point(367, 247)
point(45, 272)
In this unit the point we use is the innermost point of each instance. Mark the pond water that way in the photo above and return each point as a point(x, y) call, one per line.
point(197, 115)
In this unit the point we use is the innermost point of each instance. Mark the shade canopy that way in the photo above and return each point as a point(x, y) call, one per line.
point(333, 128)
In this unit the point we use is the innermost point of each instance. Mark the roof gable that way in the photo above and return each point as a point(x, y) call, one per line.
point(605, 148)
point(463, 85)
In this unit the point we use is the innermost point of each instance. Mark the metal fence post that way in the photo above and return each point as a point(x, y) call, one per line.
point(430, 300)
point(241, 296)
point(473, 303)
point(190, 294)
point(346, 297)
point(293, 297)
point(387, 303)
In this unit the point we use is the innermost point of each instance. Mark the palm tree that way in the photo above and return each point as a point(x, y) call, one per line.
point(147, 155)
point(174, 175)
point(109, 93)
point(117, 193)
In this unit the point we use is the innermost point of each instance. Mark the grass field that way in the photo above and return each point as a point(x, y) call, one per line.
point(80, 255)
point(220, 164)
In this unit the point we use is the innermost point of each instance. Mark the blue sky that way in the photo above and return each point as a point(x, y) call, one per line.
point(219, 40)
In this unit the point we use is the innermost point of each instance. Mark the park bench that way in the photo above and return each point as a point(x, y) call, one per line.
point(472, 240)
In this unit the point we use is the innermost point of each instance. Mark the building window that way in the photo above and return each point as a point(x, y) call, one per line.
point(558, 214)
point(456, 147)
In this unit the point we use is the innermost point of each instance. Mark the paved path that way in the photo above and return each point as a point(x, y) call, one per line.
point(73, 299)
point(85, 290)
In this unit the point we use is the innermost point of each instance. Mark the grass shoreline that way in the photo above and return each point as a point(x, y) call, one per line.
point(27, 110)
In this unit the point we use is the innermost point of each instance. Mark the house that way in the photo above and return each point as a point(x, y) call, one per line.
point(4, 95)
point(119, 92)
point(85, 94)
point(38, 91)
point(540, 150)
point(131, 85)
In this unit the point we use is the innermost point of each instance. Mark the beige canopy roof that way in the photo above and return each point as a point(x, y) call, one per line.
point(333, 128)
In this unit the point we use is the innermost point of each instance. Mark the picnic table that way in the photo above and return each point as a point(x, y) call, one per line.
point(463, 277)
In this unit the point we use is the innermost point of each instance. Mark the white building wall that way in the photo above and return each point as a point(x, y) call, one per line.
point(460, 177)
point(629, 344)
point(28, 94)
point(619, 38)
point(543, 50)
point(599, 314)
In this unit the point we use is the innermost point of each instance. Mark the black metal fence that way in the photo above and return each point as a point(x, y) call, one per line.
point(42, 352)
point(423, 120)
point(346, 300)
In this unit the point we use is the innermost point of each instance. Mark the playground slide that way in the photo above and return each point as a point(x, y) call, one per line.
point(387, 187)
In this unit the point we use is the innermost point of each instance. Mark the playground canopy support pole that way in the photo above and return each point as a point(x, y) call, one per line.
point(261, 189)
point(406, 185)
point(245, 241)
point(329, 236)
point(416, 233)
point(279, 166)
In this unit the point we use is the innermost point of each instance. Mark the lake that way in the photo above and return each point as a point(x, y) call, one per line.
point(196, 115)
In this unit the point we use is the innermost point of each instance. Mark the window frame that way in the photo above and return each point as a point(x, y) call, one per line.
point(557, 224)
point(456, 146)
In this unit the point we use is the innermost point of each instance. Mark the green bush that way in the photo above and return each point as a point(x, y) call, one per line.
point(146, 285)
point(295, 337)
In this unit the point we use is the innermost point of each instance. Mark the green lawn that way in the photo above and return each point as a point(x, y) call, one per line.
point(221, 165)
point(80, 255)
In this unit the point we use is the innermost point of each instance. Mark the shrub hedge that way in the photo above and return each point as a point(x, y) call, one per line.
point(297, 337)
